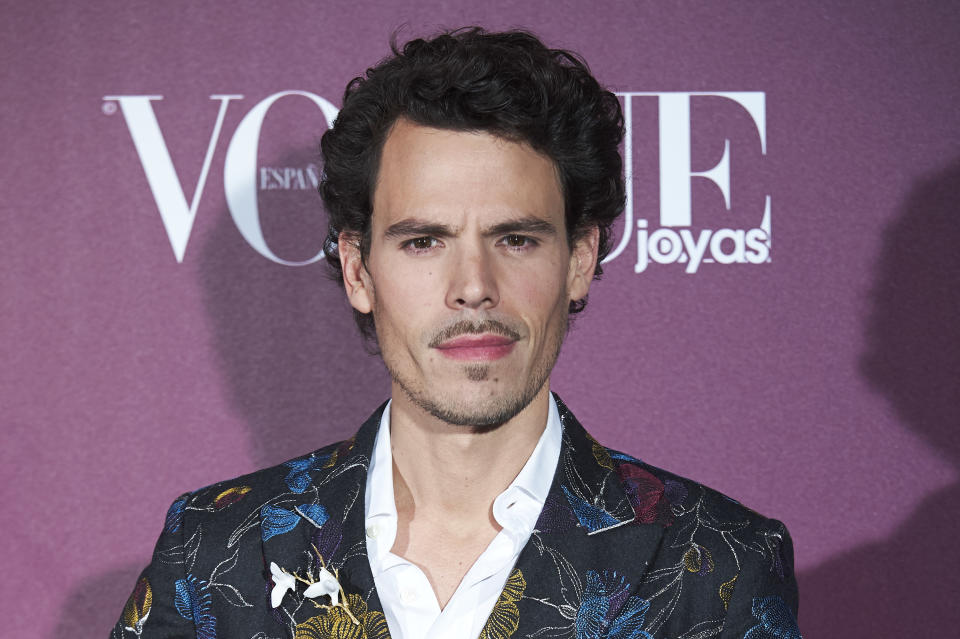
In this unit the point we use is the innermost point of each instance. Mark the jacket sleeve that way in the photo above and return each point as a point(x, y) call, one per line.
point(162, 604)
point(765, 599)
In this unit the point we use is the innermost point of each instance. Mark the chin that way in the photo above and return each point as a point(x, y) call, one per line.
point(483, 409)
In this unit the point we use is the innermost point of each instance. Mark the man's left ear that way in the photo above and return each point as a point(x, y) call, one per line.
point(583, 263)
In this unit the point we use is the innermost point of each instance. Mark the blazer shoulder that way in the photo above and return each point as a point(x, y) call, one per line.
point(683, 493)
point(222, 503)
point(737, 564)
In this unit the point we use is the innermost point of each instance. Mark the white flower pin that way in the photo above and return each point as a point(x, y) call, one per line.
point(282, 582)
point(326, 583)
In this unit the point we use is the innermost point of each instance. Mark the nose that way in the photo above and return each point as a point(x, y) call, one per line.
point(473, 281)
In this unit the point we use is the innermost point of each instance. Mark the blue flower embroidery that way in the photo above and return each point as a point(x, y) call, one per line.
point(623, 457)
point(192, 601)
point(591, 517)
point(776, 619)
point(606, 611)
point(277, 521)
point(315, 513)
point(175, 515)
point(298, 479)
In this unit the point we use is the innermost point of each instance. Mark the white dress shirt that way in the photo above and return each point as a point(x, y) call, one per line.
point(408, 600)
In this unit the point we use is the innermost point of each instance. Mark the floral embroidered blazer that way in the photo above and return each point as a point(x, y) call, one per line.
point(621, 550)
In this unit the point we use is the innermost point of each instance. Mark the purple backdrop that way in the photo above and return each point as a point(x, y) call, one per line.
point(819, 386)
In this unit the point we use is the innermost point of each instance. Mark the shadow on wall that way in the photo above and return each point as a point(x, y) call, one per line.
point(291, 355)
point(94, 605)
point(906, 585)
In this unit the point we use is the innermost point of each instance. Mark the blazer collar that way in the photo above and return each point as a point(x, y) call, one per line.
point(593, 493)
point(586, 491)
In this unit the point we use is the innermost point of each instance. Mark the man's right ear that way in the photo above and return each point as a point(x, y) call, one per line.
point(356, 280)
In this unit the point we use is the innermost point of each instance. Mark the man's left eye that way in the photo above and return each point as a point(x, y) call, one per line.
point(517, 241)
point(420, 244)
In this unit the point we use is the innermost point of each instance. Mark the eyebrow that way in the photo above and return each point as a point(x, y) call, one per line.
point(533, 225)
point(413, 227)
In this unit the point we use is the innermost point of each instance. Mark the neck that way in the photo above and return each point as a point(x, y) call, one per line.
point(454, 470)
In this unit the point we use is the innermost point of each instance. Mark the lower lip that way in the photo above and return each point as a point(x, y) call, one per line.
point(479, 352)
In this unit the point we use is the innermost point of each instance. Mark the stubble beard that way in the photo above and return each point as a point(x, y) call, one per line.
point(499, 408)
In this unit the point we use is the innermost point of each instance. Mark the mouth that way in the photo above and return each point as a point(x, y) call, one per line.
point(484, 347)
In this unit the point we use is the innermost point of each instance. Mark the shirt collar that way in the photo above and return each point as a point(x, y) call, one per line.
point(516, 509)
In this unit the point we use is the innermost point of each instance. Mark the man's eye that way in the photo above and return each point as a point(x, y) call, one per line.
point(517, 241)
point(422, 243)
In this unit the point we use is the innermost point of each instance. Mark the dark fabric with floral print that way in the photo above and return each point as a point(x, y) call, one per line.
point(622, 550)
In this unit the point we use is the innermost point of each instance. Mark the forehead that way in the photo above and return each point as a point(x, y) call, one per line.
point(462, 175)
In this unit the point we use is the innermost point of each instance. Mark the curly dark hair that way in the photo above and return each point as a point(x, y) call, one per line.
point(508, 84)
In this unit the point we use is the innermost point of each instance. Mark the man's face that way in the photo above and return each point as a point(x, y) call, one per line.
point(469, 274)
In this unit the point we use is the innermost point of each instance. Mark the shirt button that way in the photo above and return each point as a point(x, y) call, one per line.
point(373, 530)
point(408, 595)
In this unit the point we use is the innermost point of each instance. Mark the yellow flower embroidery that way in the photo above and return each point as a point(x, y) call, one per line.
point(698, 559)
point(602, 456)
point(335, 623)
point(138, 606)
point(344, 448)
point(726, 591)
point(230, 496)
point(332, 461)
point(503, 621)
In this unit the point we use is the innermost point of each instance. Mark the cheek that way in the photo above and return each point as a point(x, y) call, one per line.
point(403, 297)
point(541, 298)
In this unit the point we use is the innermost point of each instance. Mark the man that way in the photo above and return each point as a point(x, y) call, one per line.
point(471, 181)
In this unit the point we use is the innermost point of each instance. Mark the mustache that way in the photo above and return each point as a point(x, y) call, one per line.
point(466, 327)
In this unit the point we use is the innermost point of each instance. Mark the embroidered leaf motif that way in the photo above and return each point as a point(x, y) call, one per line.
point(698, 559)
point(192, 601)
point(138, 606)
point(602, 455)
point(726, 591)
point(230, 496)
point(232, 595)
point(327, 538)
point(225, 566)
point(184, 598)
point(184, 553)
point(505, 616)
point(277, 521)
point(175, 515)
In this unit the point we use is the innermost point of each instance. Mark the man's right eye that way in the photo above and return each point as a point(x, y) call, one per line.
point(421, 243)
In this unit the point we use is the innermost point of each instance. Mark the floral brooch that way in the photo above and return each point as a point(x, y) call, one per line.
point(326, 583)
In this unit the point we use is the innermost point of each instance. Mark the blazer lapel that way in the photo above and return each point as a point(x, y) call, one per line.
point(322, 516)
point(598, 532)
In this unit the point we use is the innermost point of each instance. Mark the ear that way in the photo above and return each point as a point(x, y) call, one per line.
point(356, 279)
point(583, 262)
